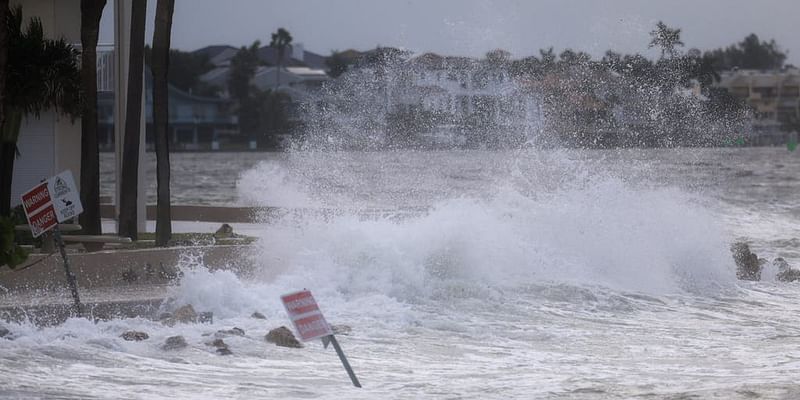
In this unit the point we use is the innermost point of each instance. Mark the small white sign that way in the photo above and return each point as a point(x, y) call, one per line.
point(65, 196)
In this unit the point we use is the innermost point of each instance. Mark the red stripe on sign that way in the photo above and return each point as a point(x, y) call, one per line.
point(43, 220)
point(306, 309)
point(35, 198)
point(299, 303)
point(295, 296)
point(312, 327)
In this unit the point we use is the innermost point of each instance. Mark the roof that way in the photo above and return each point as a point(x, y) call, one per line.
point(214, 50)
point(220, 55)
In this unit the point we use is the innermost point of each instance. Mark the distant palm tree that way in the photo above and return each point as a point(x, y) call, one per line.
point(280, 41)
point(130, 152)
point(91, 11)
point(666, 38)
point(161, 41)
point(41, 74)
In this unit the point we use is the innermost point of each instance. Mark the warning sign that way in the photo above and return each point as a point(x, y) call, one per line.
point(50, 202)
point(35, 198)
point(306, 315)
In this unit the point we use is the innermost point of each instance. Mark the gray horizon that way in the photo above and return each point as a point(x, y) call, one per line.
point(471, 28)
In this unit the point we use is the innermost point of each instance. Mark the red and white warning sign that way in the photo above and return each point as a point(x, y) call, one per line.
point(306, 316)
point(50, 202)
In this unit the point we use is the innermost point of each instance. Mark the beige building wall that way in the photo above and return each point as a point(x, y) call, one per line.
point(51, 143)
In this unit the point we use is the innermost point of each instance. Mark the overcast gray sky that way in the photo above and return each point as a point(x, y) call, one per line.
point(472, 27)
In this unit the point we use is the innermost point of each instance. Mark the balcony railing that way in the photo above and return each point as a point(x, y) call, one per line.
point(105, 68)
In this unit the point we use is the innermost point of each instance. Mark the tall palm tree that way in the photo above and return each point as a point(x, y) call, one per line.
point(91, 11)
point(130, 151)
point(161, 42)
point(3, 55)
point(280, 41)
point(41, 74)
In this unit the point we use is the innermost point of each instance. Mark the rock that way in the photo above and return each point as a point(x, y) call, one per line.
point(283, 337)
point(135, 336)
point(185, 314)
point(748, 267)
point(230, 332)
point(258, 315)
point(222, 347)
point(224, 351)
point(174, 343)
point(5, 333)
point(785, 272)
point(341, 329)
point(166, 319)
point(224, 232)
point(206, 317)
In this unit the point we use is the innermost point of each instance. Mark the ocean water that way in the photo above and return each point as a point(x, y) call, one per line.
point(529, 274)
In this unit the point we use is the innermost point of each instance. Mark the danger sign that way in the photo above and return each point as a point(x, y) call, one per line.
point(50, 202)
point(306, 315)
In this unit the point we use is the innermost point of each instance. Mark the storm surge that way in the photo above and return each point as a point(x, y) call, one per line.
point(496, 233)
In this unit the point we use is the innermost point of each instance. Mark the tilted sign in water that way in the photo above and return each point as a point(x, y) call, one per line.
point(306, 316)
point(310, 324)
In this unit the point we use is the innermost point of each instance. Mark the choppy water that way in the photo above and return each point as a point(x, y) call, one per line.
point(559, 274)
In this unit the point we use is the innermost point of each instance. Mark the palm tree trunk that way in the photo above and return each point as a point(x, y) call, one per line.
point(6, 155)
point(91, 11)
point(161, 43)
point(130, 151)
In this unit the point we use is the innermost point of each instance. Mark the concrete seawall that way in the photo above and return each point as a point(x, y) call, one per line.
point(111, 283)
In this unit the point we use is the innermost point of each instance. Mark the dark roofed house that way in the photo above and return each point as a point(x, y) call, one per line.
point(195, 122)
point(295, 56)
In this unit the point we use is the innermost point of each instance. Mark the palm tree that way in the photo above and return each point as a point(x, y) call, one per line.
point(280, 41)
point(130, 152)
point(161, 40)
point(91, 11)
point(3, 57)
point(666, 38)
point(41, 74)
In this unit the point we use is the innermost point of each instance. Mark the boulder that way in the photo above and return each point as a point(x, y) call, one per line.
point(230, 332)
point(341, 329)
point(135, 336)
point(785, 272)
point(174, 343)
point(185, 314)
point(5, 333)
point(283, 337)
point(258, 315)
point(222, 347)
point(748, 267)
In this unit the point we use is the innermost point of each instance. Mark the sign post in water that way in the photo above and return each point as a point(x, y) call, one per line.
point(310, 324)
point(48, 203)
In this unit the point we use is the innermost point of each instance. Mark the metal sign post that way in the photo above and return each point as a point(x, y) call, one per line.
point(73, 286)
point(310, 324)
point(345, 363)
